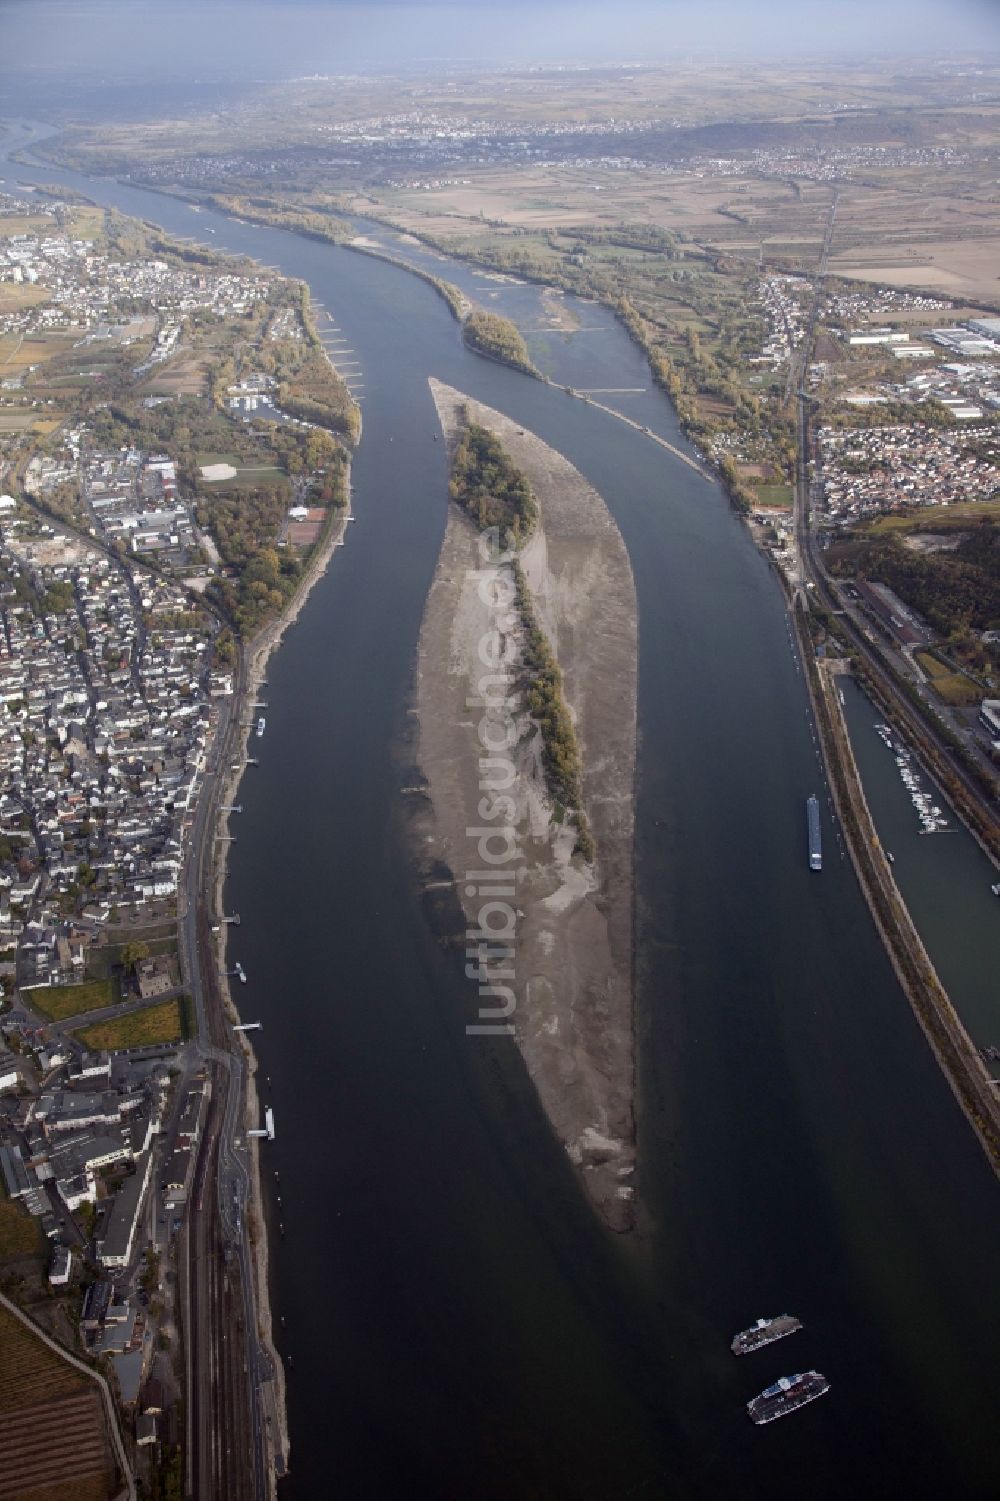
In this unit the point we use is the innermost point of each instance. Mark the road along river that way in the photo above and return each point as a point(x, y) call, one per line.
point(459, 1323)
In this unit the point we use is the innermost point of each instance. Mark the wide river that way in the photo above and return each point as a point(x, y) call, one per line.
point(460, 1325)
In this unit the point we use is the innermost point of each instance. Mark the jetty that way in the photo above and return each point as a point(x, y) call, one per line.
point(641, 428)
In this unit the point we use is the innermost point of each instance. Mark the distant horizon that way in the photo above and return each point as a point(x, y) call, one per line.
point(287, 39)
point(106, 75)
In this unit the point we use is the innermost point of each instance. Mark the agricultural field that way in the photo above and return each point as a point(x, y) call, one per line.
point(166, 1022)
point(187, 375)
point(17, 295)
point(53, 370)
point(60, 1001)
point(52, 1434)
point(24, 224)
point(17, 354)
point(16, 421)
point(80, 369)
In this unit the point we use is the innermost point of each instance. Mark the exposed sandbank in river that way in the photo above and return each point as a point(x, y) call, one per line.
point(569, 988)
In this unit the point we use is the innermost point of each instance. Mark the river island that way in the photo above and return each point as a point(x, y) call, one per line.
point(546, 888)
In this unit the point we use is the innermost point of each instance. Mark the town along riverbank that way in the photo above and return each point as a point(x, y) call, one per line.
point(547, 907)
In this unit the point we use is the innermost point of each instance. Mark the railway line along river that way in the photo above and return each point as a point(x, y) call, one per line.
point(460, 1324)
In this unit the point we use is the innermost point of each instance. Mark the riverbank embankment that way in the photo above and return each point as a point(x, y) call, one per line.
point(460, 305)
point(566, 991)
point(256, 655)
point(951, 1044)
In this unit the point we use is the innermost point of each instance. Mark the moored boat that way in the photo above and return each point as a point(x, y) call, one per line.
point(787, 1395)
point(764, 1332)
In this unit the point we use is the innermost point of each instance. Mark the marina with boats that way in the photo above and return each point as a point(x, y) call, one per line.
point(931, 816)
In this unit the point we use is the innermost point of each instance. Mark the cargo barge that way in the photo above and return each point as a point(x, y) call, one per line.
point(815, 838)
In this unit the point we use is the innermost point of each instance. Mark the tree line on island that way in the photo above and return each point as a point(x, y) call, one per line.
point(499, 339)
point(487, 485)
point(490, 488)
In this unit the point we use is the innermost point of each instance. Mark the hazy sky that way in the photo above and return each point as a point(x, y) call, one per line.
point(209, 38)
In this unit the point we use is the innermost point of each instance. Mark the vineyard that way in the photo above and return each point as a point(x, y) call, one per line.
point(55, 1449)
point(52, 1436)
point(91, 1488)
point(30, 1372)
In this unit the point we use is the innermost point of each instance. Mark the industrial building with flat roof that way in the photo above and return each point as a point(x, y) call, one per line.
point(115, 1247)
point(989, 713)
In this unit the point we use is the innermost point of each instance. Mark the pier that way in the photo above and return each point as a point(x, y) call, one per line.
point(268, 1130)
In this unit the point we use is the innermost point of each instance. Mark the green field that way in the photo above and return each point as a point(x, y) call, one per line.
point(20, 1234)
point(247, 476)
point(951, 687)
point(932, 665)
point(167, 1022)
point(219, 458)
point(956, 689)
point(266, 477)
point(775, 495)
point(59, 1001)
